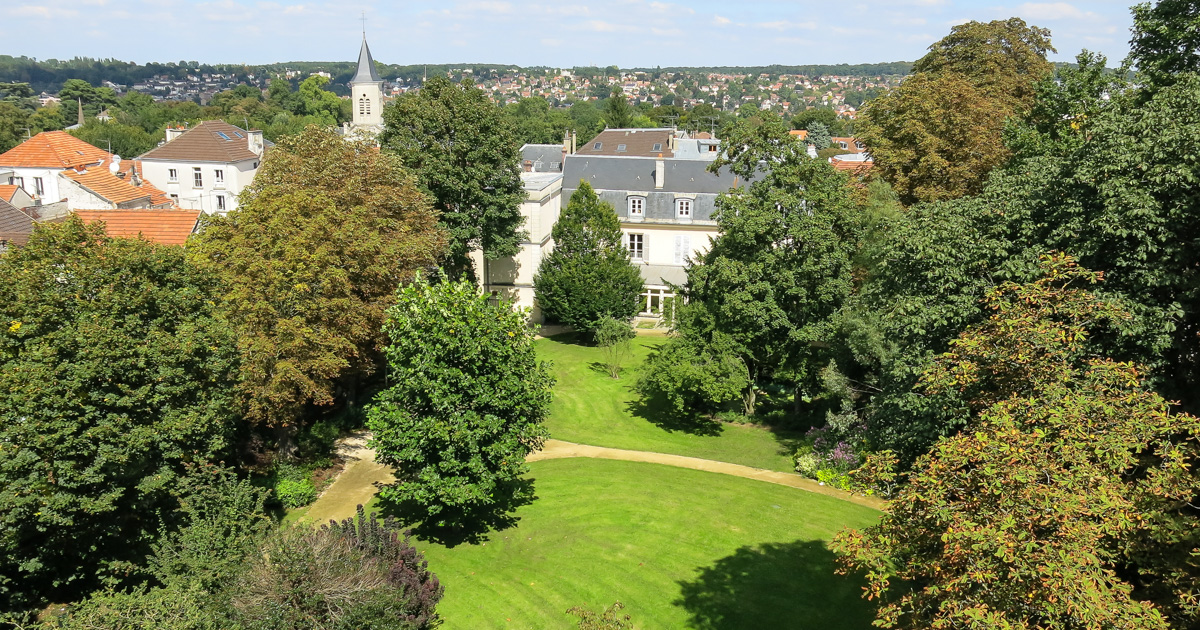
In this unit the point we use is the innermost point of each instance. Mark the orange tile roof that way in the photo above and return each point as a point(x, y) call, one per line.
point(108, 186)
point(169, 227)
point(801, 133)
point(53, 149)
point(101, 181)
point(856, 167)
point(7, 191)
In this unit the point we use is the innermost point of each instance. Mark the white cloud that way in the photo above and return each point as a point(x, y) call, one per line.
point(43, 12)
point(785, 25)
point(487, 6)
point(1052, 11)
point(721, 21)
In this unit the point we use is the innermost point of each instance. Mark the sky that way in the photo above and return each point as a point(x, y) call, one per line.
point(560, 34)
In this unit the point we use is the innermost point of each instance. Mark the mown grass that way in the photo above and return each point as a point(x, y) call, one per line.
point(590, 407)
point(679, 548)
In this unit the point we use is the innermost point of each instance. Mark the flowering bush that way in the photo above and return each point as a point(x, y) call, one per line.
point(829, 454)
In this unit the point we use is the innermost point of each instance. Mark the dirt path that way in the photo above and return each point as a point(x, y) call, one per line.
point(556, 449)
point(355, 486)
point(361, 477)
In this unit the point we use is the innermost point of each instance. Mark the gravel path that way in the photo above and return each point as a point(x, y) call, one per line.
point(358, 482)
point(361, 477)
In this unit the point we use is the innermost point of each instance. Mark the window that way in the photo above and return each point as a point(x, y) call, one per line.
point(220, 203)
point(596, 147)
point(657, 146)
point(655, 301)
point(172, 175)
point(19, 182)
point(219, 176)
point(364, 106)
point(843, 145)
point(223, 136)
point(38, 187)
point(637, 246)
point(637, 207)
point(174, 198)
point(683, 209)
point(683, 248)
point(197, 178)
point(620, 148)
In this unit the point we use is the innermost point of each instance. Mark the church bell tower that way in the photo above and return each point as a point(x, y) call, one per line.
point(366, 93)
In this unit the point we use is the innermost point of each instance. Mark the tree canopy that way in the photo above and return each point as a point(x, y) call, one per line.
point(588, 277)
point(118, 372)
point(311, 259)
point(465, 155)
point(465, 405)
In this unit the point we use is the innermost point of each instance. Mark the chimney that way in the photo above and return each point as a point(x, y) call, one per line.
point(660, 174)
point(254, 140)
point(528, 166)
point(175, 132)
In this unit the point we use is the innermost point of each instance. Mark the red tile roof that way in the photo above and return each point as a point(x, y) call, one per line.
point(855, 167)
point(7, 191)
point(169, 227)
point(53, 149)
point(108, 186)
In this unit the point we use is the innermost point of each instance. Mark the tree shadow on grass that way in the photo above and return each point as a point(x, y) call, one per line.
point(775, 585)
point(472, 526)
point(658, 411)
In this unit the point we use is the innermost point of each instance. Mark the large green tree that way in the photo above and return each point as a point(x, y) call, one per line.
point(1069, 469)
point(467, 400)
point(117, 371)
point(466, 155)
point(1166, 41)
point(780, 267)
point(311, 259)
point(588, 276)
point(938, 134)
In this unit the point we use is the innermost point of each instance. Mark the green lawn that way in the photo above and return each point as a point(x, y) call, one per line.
point(592, 408)
point(680, 548)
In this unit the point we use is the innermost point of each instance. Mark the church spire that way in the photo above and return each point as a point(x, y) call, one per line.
point(366, 66)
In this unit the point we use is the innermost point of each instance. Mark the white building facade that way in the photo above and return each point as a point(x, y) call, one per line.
point(366, 97)
point(205, 167)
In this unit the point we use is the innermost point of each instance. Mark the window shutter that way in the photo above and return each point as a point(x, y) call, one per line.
point(683, 248)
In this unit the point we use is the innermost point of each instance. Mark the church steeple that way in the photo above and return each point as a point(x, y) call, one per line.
point(366, 94)
point(366, 66)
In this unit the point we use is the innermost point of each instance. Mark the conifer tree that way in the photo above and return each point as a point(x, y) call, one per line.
point(588, 276)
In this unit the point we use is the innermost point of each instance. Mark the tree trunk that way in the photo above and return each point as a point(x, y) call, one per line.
point(796, 400)
point(286, 437)
point(748, 400)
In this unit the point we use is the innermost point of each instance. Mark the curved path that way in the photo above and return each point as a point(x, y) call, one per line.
point(362, 476)
point(557, 449)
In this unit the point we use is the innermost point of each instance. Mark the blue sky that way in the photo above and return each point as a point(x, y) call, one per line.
point(563, 33)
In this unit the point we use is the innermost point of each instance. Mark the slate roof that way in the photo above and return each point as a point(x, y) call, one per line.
point(366, 66)
point(637, 142)
point(542, 158)
point(210, 141)
point(15, 226)
point(168, 227)
point(52, 149)
point(633, 173)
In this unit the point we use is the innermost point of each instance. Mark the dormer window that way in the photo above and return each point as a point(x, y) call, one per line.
point(596, 147)
point(657, 146)
point(683, 209)
point(620, 148)
point(637, 208)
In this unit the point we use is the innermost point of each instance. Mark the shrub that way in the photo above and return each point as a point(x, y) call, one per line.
point(294, 493)
point(614, 339)
point(807, 463)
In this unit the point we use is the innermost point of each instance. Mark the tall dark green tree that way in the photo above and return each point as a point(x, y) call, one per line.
point(781, 266)
point(1166, 41)
point(588, 276)
point(465, 154)
point(116, 372)
point(617, 112)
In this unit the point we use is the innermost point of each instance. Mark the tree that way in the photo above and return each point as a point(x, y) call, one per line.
point(322, 104)
point(536, 122)
point(780, 267)
point(1166, 42)
point(117, 371)
point(465, 154)
point(310, 259)
point(357, 573)
point(695, 374)
point(823, 115)
point(123, 140)
point(466, 403)
point(939, 134)
point(614, 339)
point(1022, 520)
point(588, 277)
point(13, 122)
point(818, 135)
point(617, 112)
